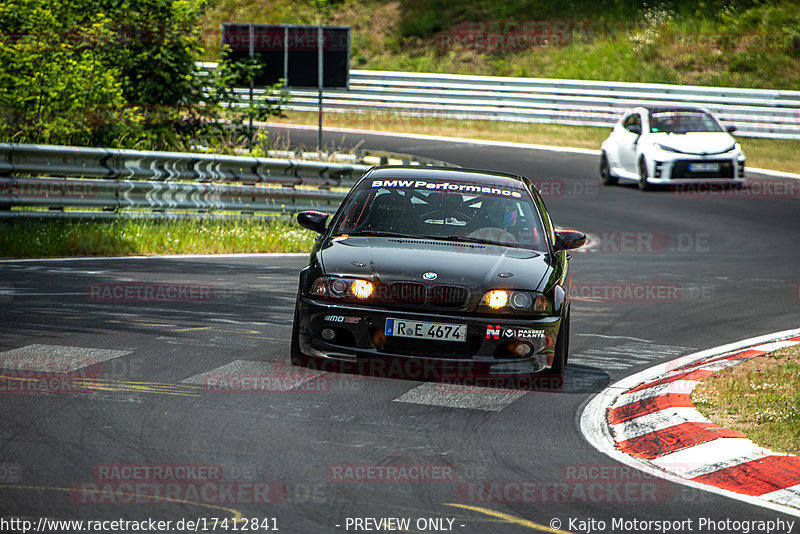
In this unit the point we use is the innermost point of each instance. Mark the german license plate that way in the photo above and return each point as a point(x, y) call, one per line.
point(704, 167)
point(426, 330)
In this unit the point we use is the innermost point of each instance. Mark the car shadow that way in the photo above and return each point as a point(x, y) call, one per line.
point(468, 376)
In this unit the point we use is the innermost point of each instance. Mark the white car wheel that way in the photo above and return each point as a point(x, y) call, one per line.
point(644, 185)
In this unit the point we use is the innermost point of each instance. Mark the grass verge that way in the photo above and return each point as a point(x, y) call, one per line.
point(760, 398)
point(774, 154)
point(125, 237)
point(746, 43)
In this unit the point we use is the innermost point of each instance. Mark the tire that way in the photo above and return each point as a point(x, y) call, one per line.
point(566, 340)
point(297, 356)
point(643, 184)
point(562, 348)
point(605, 171)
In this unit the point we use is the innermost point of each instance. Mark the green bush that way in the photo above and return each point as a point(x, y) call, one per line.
point(110, 73)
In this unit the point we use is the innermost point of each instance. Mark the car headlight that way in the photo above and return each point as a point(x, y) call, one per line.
point(362, 288)
point(496, 299)
point(665, 148)
point(515, 301)
point(342, 288)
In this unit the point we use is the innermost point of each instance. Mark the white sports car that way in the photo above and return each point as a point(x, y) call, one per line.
point(671, 145)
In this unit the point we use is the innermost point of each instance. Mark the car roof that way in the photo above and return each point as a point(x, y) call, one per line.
point(421, 172)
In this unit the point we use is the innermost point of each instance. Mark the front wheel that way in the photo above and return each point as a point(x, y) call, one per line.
point(562, 347)
point(605, 171)
point(297, 356)
point(644, 185)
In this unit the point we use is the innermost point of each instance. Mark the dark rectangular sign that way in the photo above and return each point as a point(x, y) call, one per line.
point(291, 52)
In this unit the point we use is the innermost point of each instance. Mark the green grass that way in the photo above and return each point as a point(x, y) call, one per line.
point(616, 40)
point(122, 237)
point(760, 398)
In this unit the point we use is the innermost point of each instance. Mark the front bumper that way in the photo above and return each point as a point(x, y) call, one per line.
point(359, 333)
point(680, 170)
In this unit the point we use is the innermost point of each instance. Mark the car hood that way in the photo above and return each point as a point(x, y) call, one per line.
point(701, 143)
point(472, 265)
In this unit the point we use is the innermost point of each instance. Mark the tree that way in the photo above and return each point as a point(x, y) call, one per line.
point(114, 73)
point(57, 81)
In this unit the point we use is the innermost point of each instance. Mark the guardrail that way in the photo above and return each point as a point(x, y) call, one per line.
point(100, 182)
point(754, 112)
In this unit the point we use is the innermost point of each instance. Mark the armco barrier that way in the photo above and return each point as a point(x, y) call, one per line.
point(98, 182)
point(754, 112)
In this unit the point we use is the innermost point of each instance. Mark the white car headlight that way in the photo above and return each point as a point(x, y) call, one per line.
point(665, 148)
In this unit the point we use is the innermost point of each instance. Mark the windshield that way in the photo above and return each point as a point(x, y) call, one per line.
point(443, 210)
point(681, 122)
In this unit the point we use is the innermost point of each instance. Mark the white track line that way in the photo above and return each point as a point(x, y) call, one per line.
point(711, 456)
point(656, 421)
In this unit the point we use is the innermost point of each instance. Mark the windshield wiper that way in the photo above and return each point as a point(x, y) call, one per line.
point(467, 239)
point(379, 233)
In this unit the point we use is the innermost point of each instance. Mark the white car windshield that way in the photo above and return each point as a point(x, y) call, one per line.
point(681, 122)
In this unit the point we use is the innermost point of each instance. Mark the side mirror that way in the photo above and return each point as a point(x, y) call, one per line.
point(730, 129)
point(312, 220)
point(635, 128)
point(569, 240)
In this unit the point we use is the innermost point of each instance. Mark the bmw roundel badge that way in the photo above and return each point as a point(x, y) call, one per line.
point(430, 276)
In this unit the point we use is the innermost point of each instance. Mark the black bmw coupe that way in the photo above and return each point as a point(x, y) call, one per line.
point(437, 266)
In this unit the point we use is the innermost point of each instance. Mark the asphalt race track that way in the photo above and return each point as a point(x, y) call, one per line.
point(107, 392)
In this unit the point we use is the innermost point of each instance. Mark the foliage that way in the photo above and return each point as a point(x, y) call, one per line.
point(224, 125)
point(56, 81)
point(115, 73)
